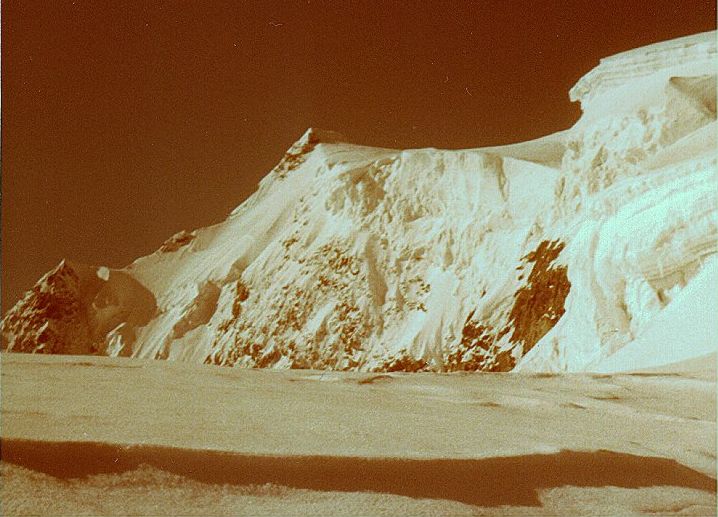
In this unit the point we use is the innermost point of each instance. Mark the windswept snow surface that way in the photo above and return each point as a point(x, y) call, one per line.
point(120, 436)
point(573, 252)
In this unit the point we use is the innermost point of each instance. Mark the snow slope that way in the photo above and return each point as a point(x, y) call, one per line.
point(565, 253)
point(184, 439)
point(686, 328)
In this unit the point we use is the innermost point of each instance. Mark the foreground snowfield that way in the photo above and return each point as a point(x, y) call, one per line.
point(115, 436)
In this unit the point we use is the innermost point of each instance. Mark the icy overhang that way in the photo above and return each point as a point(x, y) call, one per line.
point(688, 56)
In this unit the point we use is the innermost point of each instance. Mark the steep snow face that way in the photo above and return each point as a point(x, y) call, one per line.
point(555, 254)
point(636, 200)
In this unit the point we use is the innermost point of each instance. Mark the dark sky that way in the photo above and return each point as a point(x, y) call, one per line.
point(124, 122)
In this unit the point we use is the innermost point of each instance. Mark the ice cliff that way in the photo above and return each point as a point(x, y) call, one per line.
point(588, 249)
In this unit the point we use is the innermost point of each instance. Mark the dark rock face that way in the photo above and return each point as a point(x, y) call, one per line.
point(47, 315)
point(404, 362)
point(540, 303)
point(537, 307)
point(478, 349)
point(72, 310)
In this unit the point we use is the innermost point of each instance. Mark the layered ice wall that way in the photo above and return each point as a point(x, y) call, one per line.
point(570, 252)
point(637, 198)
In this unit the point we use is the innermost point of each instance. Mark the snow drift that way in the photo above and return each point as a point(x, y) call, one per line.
point(577, 251)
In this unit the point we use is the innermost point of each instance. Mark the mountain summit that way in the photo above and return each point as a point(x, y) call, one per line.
point(590, 249)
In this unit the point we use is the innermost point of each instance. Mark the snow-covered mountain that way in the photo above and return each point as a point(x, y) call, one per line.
point(589, 249)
